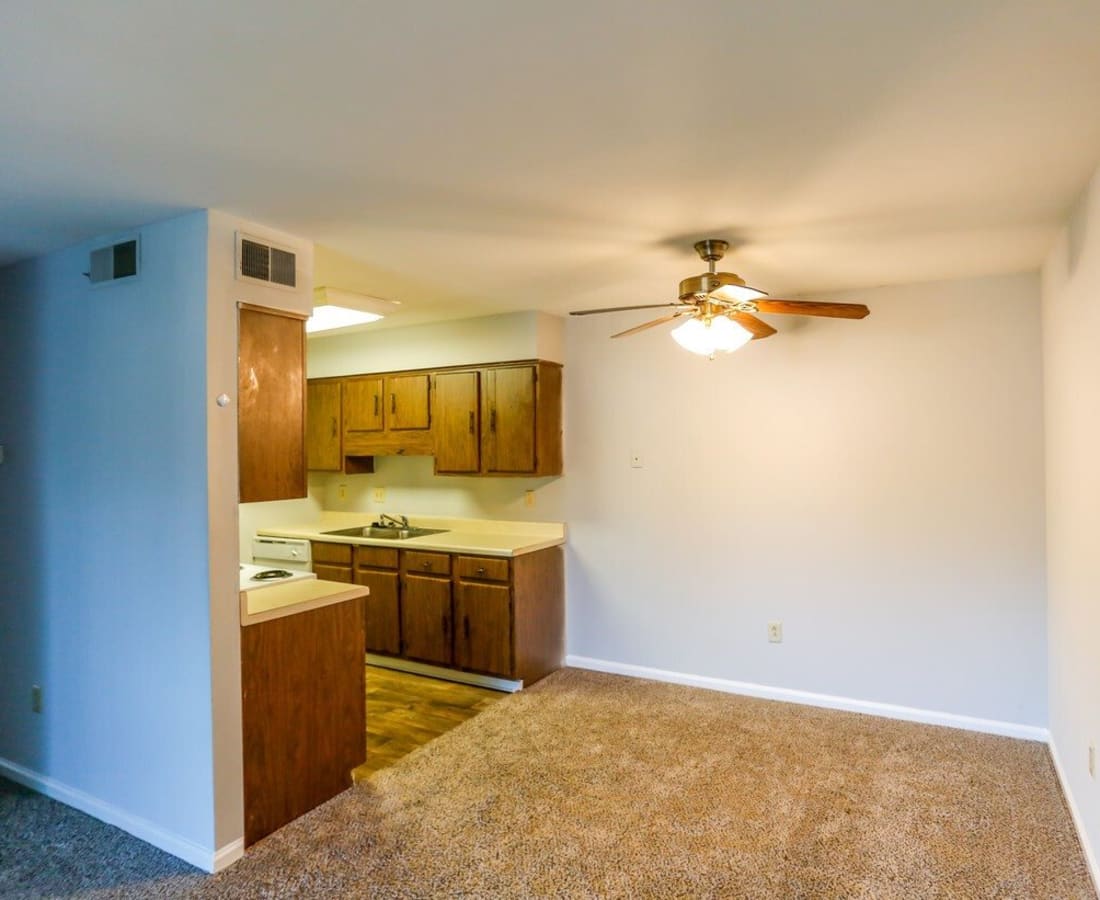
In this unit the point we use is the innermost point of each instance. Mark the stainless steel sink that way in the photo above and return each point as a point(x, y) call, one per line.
point(385, 532)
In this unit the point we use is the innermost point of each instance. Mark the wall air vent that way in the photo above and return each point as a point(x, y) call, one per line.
point(259, 260)
point(114, 262)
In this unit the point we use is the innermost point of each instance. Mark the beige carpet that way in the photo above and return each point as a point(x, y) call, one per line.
point(590, 785)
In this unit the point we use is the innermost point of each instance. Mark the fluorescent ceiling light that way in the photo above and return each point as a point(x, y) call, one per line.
point(328, 317)
point(334, 308)
point(708, 336)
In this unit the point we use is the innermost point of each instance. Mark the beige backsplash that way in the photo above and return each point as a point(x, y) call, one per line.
point(412, 489)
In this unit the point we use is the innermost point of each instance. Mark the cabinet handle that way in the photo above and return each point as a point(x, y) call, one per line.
point(376, 399)
point(445, 623)
point(334, 426)
point(481, 570)
point(466, 626)
point(393, 403)
point(471, 421)
point(427, 565)
point(493, 419)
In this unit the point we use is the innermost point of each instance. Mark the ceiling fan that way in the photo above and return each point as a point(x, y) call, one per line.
point(718, 308)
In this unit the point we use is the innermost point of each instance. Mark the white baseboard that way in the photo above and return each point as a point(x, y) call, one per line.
point(201, 857)
point(1079, 823)
point(788, 695)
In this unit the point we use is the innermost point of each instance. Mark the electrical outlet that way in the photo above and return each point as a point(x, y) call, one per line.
point(36, 698)
point(528, 499)
point(1092, 760)
point(343, 491)
point(635, 459)
point(775, 632)
point(379, 495)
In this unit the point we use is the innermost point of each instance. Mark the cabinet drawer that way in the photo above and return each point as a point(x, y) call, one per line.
point(375, 558)
point(426, 563)
point(485, 568)
point(334, 554)
point(325, 572)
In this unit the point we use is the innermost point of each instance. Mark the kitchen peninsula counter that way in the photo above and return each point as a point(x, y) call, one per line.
point(261, 604)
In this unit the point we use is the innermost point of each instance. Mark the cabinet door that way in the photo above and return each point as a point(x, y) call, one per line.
point(426, 618)
point(407, 402)
point(271, 406)
point(456, 399)
point(509, 424)
point(363, 404)
point(483, 627)
point(323, 426)
point(383, 613)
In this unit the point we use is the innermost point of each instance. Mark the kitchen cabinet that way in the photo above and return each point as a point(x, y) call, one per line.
point(324, 426)
point(303, 713)
point(426, 618)
point(332, 562)
point(376, 568)
point(483, 626)
point(521, 420)
point(271, 405)
point(502, 419)
point(457, 420)
point(490, 615)
point(387, 415)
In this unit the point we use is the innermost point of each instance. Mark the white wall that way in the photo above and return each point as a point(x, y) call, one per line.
point(460, 342)
point(1071, 323)
point(104, 549)
point(877, 485)
point(224, 293)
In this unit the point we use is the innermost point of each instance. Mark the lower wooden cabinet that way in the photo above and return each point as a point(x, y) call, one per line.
point(426, 618)
point(303, 712)
point(491, 615)
point(332, 562)
point(483, 626)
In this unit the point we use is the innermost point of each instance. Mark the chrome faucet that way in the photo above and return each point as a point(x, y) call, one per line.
point(397, 521)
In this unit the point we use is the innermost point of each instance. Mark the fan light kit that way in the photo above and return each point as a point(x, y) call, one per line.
point(720, 309)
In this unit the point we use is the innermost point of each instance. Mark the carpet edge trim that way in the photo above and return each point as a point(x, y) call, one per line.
point(183, 848)
point(1075, 814)
point(808, 698)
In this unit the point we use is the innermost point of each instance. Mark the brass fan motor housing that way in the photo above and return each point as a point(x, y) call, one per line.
point(702, 285)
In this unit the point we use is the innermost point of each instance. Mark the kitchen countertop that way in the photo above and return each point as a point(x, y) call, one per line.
point(292, 597)
point(483, 537)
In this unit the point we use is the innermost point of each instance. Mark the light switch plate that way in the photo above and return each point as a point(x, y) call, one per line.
point(379, 495)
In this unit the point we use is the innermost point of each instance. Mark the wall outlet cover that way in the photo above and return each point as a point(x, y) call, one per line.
point(379, 495)
point(775, 632)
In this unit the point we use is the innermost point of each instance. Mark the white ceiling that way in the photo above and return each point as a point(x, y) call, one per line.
point(482, 156)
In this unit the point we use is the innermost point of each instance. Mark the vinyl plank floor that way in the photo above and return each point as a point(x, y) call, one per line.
point(405, 711)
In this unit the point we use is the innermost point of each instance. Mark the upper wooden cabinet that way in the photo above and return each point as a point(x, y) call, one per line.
point(323, 426)
point(387, 415)
point(271, 405)
point(457, 423)
point(502, 419)
point(521, 420)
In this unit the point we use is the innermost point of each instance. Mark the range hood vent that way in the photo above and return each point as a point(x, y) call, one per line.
point(259, 260)
point(113, 262)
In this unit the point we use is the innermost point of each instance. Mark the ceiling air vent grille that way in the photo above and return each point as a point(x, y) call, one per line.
point(258, 261)
point(113, 262)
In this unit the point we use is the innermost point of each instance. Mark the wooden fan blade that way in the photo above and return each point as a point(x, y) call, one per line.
point(589, 312)
point(812, 308)
point(646, 325)
point(758, 327)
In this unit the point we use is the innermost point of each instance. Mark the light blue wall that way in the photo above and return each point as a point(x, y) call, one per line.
point(103, 558)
